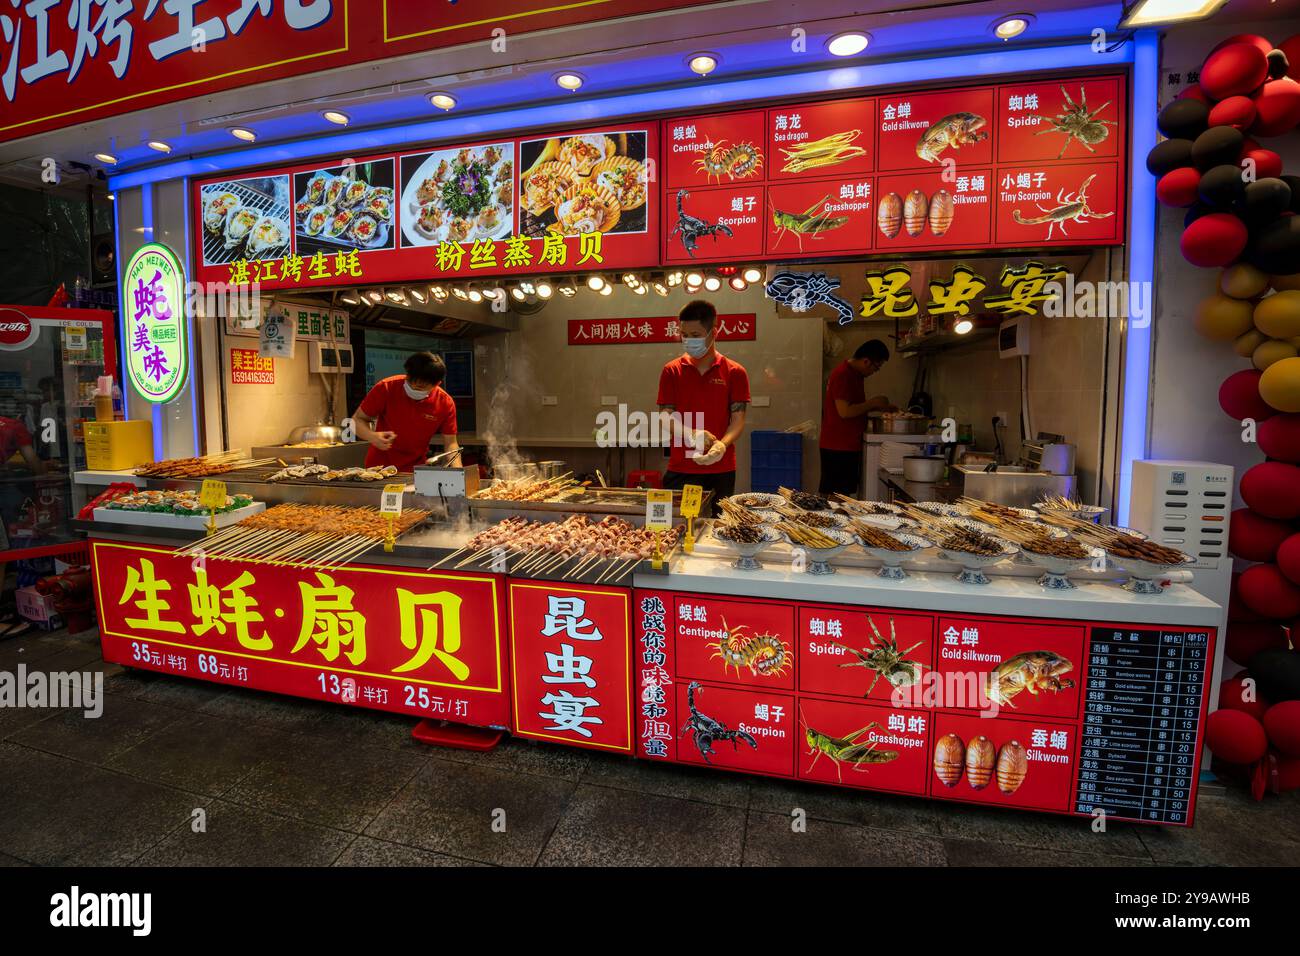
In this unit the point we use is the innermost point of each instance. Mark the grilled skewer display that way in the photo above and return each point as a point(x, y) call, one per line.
point(805, 500)
point(201, 467)
point(874, 537)
point(527, 489)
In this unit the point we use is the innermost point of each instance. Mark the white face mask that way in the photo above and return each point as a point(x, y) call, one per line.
point(415, 395)
point(696, 348)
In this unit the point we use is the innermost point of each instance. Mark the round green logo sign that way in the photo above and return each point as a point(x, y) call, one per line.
point(153, 294)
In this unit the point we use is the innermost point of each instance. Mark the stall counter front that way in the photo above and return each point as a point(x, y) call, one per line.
point(1084, 702)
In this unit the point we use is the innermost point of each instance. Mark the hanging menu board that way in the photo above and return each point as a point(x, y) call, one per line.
point(1021, 165)
point(1055, 716)
point(574, 201)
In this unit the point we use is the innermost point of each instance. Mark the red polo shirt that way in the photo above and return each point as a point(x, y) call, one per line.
point(414, 422)
point(839, 433)
point(13, 437)
point(711, 396)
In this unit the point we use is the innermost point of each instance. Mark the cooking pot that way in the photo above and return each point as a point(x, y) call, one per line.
point(321, 431)
point(923, 468)
point(890, 424)
point(508, 471)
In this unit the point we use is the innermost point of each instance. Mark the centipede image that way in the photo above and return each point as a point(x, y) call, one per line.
point(766, 655)
point(735, 162)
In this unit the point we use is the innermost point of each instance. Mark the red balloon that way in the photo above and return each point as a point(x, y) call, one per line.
point(1232, 694)
point(1239, 396)
point(1291, 47)
point(1268, 164)
point(1254, 39)
point(1236, 111)
point(1193, 92)
point(1268, 592)
point(1288, 557)
point(1235, 736)
point(1237, 610)
point(1282, 724)
point(1285, 774)
point(1254, 537)
point(1277, 107)
point(1245, 639)
point(1233, 69)
point(1178, 187)
point(1279, 437)
point(1214, 240)
point(1273, 489)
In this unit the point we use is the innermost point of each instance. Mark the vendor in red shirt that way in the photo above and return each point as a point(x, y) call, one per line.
point(402, 413)
point(844, 418)
point(714, 391)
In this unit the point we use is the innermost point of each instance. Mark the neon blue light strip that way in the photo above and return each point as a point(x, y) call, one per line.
point(1135, 408)
point(675, 99)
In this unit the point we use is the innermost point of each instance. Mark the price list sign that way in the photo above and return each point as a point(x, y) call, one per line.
point(1141, 723)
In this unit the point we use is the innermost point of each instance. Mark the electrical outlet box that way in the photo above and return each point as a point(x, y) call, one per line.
point(762, 401)
point(550, 400)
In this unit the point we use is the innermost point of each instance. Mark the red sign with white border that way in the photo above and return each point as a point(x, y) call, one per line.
point(657, 329)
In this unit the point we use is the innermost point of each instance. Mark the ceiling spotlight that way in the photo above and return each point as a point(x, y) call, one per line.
point(1146, 13)
point(703, 63)
point(336, 117)
point(108, 159)
point(660, 286)
point(544, 290)
point(1012, 26)
point(527, 286)
point(752, 274)
point(438, 292)
point(963, 326)
point(694, 278)
point(418, 296)
point(569, 288)
point(112, 198)
point(640, 289)
point(240, 132)
point(630, 279)
point(518, 293)
point(595, 283)
point(444, 101)
point(460, 293)
point(607, 289)
point(848, 44)
point(397, 296)
point(349, 298)
point(738, 283)
point(569, 81)
point(674, 279)
point(160, 146)
point(475, 295)
point(713, 283)
point(375, 296)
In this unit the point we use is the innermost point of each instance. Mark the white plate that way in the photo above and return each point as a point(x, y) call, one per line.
point(427, 168)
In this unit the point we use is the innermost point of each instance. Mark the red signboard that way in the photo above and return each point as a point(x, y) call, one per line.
point(249, 368)
point(881, 748)
point(726, 149)
point(422, 643)
point(1005, 761)
point(736, 220)
point(820, 217)
point(836, 137)
point(838, 645)
point(572, 201)
point(922, 130)
point(570, 660)
point(731, 327)
point(735, 641)
point(1016, 668)
point(66, 63)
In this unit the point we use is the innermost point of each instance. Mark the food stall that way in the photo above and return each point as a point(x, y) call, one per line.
point(967, 651)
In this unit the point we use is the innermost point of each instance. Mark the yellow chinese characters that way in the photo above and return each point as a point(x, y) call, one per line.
point(891, 293)
point(426, 621)
point(955, 295)
point(236, 609)
point(329, 620)
point(1027, 286)
point(144, 581)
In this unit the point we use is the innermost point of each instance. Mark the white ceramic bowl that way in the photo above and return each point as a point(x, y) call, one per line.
point(757, 499)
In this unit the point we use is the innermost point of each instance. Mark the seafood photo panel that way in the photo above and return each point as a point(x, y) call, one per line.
point(587, 182)
point(337, 208)
point(459, 194)
point(246, 217)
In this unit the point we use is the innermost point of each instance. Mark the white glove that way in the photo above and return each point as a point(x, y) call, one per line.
point(713, 455)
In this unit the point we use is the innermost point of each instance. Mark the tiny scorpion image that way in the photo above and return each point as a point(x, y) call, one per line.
point(885, 659)
point(707, 730)
point(693, 228)
point(1070, 207)
point(1077, 123)
point(846, 749)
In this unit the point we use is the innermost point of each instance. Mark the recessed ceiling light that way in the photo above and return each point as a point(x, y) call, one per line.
point(595, 283)
point(475, 295)
point(108, 159)
point(336, 117)
point(738, 283)
point(713, 283)
point(160, 146)
point(1148, 12)
point(239, 132)
point(112, 198)
point(848, 44)
point(419, 296)
point(694, 278)
point(703, 63)
point(1012, 26)
point(444, 101)
point(963, 326)
point(569, 81)
point(544, 290)
point(752, 274)
point(607, 289)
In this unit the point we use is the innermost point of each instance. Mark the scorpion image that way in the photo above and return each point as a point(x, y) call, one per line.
point(737, 162)
point(846, 749)
point(885, 659)
point(766, 655)
point(707, 730)
point(800, 291)
point(1077, 123)
point(1070, 207)
point(693, 228)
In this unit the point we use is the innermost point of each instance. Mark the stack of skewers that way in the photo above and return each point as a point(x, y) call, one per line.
point(527, 489)
point(576, 546)
point(201, 467)
point(321, 536)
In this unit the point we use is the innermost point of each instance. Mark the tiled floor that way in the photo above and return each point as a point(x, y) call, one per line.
point(284, 781)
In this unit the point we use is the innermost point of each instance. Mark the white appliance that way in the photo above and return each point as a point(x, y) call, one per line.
point(1188, 505)
point(331, 357)
point(1013, 337)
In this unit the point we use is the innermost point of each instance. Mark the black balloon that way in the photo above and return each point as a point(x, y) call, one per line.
point(1222, 186)
point(1265, 200)
point(1171, 154)
point(1294, 183)
point(1184, 119)
point(1278, 64)
point(1195, 212)
point(1217, 146)
point(1275, 246)
point(1277, 674)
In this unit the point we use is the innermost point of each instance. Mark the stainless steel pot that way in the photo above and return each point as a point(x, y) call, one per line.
point(923, 468)
point(513, 470)
point(895, 425)
point(551, 469)
point(321, 431)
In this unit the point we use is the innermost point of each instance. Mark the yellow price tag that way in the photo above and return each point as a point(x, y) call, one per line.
point(692, 495)
point(212, 494)
point(659, 509)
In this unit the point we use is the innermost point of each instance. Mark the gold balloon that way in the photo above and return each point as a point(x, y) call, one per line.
point(1280, 385)
point(1245, 346)
point(1278, 315)
point(1243, 281)
point(1224, 318)
point(1287, 282)
point(1274, 350)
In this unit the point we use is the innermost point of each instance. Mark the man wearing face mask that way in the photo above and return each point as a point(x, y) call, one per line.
point(714, 391)
point(402, 413)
